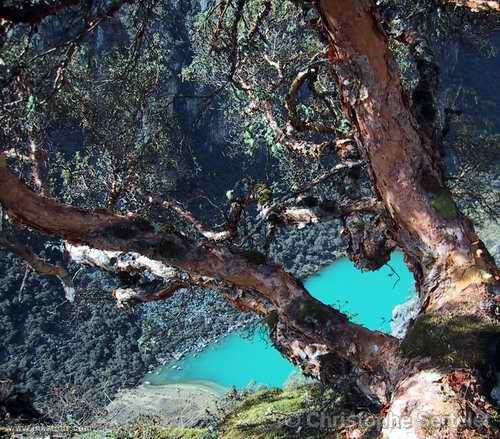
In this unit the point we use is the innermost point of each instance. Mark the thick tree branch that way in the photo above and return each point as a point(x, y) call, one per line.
point(32, 14)
point(319, 211)
point(456, 276)
point(369, 356)
point(477, 5)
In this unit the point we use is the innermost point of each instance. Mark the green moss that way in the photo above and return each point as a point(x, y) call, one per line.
point(458, 341)
point(184, 433)
point(279, 414)
point(263, 194)
point(146, 428)
point(272, 320)
point(259, 412)
point(441, 198)
point(444, 204)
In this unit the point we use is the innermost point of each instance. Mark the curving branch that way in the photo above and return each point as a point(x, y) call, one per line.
point(294, 118)
point(174, 279)
point(39, 265)
point(477, 5)
point(286, 137)
point(369, 357)
point(203, 229)
point(33, 14)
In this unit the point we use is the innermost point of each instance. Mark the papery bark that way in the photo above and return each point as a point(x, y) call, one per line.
point(455, 274)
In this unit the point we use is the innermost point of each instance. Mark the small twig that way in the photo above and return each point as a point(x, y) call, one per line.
point(23, 283)
point(394, 272)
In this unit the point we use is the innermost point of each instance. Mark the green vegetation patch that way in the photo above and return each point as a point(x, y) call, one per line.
point(444, 204)
point(441, 197)
point(262, 413)
point(263, 194)
point(458, 341)
point(293, 412)
point(147, 428)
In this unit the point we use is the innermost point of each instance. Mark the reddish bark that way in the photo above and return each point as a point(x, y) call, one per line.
point(477, 5)
point(455, 274)
point(305, 329)
point(32, 14)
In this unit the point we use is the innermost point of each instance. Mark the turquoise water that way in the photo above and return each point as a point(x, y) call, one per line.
point(239, 360)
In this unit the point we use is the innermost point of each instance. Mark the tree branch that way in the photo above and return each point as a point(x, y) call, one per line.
point(39, 265)
point(477, 5)
point(279, 204)
point(198, 225)
point(369, 356)
point(32, 14)
point(303, 215)
point(291, 103)
point(128, 296)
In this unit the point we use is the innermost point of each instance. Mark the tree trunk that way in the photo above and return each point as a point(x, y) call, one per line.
point(450, 345)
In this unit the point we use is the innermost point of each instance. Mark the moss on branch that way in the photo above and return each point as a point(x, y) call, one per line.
point(450, 340)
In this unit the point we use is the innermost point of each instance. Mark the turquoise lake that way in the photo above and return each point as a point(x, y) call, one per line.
point(242, 359)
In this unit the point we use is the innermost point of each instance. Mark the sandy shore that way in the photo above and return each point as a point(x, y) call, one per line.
point(180, 404)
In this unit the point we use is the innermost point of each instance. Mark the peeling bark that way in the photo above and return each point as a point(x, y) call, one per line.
point(319, 211)
point(477, 5)
point(369, 357)
point(455, 274)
